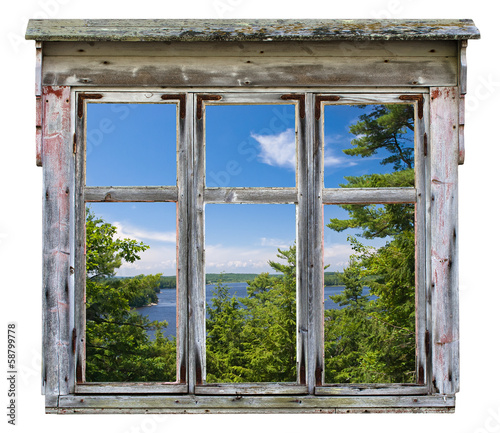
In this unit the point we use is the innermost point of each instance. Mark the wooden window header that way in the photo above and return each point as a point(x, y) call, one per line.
point(249, 30)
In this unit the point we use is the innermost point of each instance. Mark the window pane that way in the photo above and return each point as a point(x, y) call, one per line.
point(372, 143)
point(250, 145)
point(370, 294)
point(131, 292)
point(131, 144)
point(251, 292)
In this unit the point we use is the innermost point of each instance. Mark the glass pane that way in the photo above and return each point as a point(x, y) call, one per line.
point(131, 292)
point(251, 291)
point(131, 144)
point(368, 146)
point(370, 294)
point(250, 145)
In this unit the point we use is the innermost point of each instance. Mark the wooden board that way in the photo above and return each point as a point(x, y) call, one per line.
point(249, 71)
point(58, 357)
point(444, 234)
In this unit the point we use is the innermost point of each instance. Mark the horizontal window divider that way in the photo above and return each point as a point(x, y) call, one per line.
point(250, 388)
point(130, 193)
point(131, 388)
point(251, 195)
point(369, 195)
point(372, 389)
point(292, 403)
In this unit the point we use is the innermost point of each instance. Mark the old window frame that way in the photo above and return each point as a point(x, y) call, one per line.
point(442, 86)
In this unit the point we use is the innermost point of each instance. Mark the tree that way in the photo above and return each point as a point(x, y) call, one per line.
point(117, 343)
point(253, 338)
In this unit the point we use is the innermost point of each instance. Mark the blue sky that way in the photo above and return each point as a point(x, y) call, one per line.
point(246, 146)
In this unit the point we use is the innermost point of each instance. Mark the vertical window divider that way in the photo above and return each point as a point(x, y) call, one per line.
point(184, 140)
point(196, 311)
point(315, 244)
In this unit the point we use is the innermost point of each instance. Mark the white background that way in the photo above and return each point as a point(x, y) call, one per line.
point(478, 403)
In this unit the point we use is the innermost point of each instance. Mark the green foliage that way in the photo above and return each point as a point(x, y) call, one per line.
point(117, 344)
point(385, 128)
point(253, 339)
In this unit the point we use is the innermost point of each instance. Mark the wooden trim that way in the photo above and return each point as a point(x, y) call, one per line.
point(251, 195)
point(251, 389)
point(315, 266)
point(249, 73)
point(58, 358)
point(184, 144)
point(199, 103)
point(420, 103)
point(444, 233)
point(372, 389)
point(297, 97)
point(81, 101)
point(267, 49)
point(181, 97)
point(421, 258)
point(369, 195)
point(196, 212)
point(250, 404)
point(130, 388)
point(319, 106)
point(131, 194)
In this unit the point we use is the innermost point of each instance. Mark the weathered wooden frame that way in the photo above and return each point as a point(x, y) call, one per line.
point(424, 64)
point(175, 193)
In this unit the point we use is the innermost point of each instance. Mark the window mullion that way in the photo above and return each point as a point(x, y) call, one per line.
point(314, 246)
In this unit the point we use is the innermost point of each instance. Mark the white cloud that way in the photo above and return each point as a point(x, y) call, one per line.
point(153, 261)
point(239, 259)
point(332, 143)
point(337, 256)
point(278, 149)
point(139, 234)
point(277, 243)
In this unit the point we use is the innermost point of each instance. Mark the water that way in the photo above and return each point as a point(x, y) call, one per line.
point(166, 307)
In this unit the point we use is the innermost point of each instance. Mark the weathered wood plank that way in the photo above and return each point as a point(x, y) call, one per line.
point(461, 130)
point(197, 326)
point(185, 140)
point(301, 235)
point(179, 403)
point(421, 133)
point(252, 411)
point(254, 49)
point(39, 104)
point(58, 189)
point(315, 268)
point(369, 195)
point(444, 254)
point(251, 388)
point(80, 251)
point(251, 195)
point(130, 388)
point(373, 389)
point(248, 30)
point(131, 193)
point(250, 72)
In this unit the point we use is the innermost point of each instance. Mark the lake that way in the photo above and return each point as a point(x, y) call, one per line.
point(166, 307)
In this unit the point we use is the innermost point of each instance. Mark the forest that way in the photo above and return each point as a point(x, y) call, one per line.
point(253, 338)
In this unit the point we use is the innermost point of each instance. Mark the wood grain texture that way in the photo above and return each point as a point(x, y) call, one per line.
point(255, 49)
point(58, 372)
point(241, 403)
point(249, 72)
point(131, 194)
point(444, 232)
point(369, 195)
